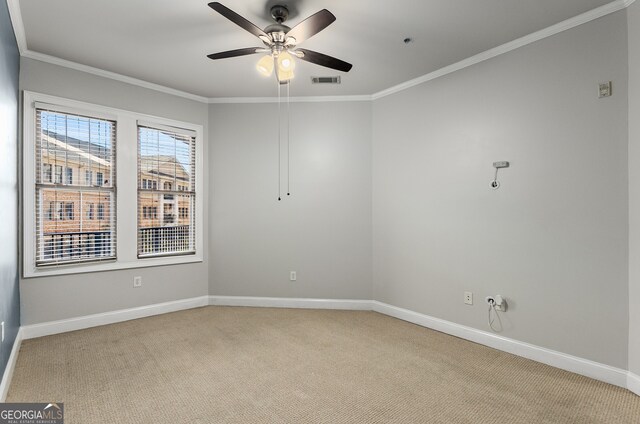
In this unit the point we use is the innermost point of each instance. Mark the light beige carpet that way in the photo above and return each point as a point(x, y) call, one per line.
point(254, 365)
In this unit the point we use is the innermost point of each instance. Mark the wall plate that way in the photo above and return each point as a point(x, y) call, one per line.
point(604, 89)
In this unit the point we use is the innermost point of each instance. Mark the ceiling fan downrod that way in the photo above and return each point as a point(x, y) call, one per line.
point(279, 13)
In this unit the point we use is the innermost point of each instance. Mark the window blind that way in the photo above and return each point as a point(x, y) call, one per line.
point(71, 150)
point(166, 191)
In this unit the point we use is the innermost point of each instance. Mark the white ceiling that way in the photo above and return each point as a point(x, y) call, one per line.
point(166, 41)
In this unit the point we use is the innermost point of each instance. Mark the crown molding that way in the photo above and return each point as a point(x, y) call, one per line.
point(18, 27)
point(510, 46)
point(111, 75)
point(306, 99)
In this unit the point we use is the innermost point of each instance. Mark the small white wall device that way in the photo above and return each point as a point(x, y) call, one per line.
point(496, 304)
point(495, 184)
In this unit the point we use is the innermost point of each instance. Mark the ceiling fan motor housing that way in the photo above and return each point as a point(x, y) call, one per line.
point(277, 32)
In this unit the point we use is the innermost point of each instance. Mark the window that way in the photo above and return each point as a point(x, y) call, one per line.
point(47, 175)
point(58, 174)
point(68, 209)
point(59, 211)
point(49, 213)
point(149, 212)
point(69, 176)
point(76, 218)
point(66, 143)
point(166, 158)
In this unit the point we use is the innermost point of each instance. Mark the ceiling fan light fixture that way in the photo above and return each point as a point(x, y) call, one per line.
point(285, 62)
point(284, 76)
point(265, 65)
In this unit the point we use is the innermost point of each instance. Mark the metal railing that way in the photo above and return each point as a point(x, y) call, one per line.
point(68, 247)
point(75, 246)
point(165, 240)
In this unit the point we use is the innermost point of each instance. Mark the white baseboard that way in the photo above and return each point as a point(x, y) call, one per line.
point(633, 383)
point(11, 364)
point(554, 358)
point(286, 302)
point(79, 323)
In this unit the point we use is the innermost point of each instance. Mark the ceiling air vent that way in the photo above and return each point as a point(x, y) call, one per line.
point(325, 80)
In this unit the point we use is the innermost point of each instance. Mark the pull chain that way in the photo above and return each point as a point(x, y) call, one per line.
point(288, 140)
point(279, 143)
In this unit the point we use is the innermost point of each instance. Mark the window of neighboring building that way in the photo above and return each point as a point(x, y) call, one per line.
point(69, 175)
point(68, 210)
point(65, 142)
point(49, 213)
point(99, 179)
point(168, 153)
point(47, 173)
point(58, 174)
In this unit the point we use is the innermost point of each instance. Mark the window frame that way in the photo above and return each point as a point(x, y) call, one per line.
point(126, 195)
point(168, 191)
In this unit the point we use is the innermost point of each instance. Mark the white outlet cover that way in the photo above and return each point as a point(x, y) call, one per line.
point(137, 281)
point(468, 298)
point(293, 276)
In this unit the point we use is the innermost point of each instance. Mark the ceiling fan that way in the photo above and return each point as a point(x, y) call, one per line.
point(281, 42)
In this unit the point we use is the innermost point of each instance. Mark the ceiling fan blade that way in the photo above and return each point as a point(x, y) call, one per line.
point(238, 20)
point(235, 53)
point(311, 26)
point(324, 60)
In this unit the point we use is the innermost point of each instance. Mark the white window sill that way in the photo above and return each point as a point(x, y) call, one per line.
point(110, 266)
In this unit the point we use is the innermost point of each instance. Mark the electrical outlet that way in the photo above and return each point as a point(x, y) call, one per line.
point(468, 298)
point(293, 276)
point(604, 89)
point(137, 282)
point(2, 331)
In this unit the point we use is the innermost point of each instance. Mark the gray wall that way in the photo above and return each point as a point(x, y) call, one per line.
point(9, 297)
point(634, 187)
point(322, 231)
point(52, 298)
point(554, 238)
